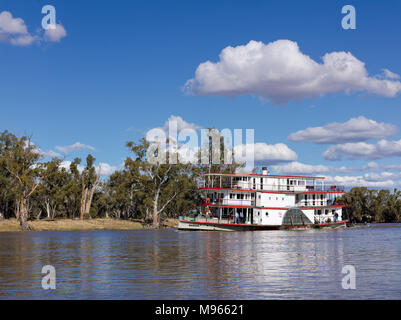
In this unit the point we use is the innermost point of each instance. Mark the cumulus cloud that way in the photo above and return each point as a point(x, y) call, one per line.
point(354, 130)
point(74, 147)
point(382, 176)
point(362, 150)
point(390, 75)
point(361, 181)
point(55, 34)
point(298, 168)
point(279, 71)
point(49, 154)
point(104, 169)
point(179, 123)
point(267, 153)
point(14, 31)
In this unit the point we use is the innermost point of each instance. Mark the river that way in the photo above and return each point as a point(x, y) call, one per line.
point(171, 264)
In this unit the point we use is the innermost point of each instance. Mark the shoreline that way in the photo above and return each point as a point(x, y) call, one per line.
point(12, 225)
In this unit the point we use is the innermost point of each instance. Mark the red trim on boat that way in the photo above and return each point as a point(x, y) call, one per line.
point(273, 192)
point(252, 207)
point(266, 225)
point(258, 175)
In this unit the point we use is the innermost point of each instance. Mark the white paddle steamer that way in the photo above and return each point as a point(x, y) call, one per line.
point(239, 201)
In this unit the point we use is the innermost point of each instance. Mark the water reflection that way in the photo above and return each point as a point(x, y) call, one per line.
point(170, 264)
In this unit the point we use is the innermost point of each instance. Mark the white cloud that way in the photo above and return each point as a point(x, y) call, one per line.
point(354, 130)
point(56, 34)
point(361, 181)
point(296, 167)
point(44, 154)
point(49, 154)
point(180, 124)
point(14, 30)
point(390, 75)
point(267, 154)
point(280, 72)
point(11, 25)
point(74, 147)
point(103, 168)
point(382, 176)
point(363, 150)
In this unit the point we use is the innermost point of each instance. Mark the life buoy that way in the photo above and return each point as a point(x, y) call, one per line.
point(206, 209)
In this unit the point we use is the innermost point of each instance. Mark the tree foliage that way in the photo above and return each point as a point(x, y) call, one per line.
point(371, 205)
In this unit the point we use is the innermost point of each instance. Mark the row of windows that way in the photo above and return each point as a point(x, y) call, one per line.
point(239, 196)
point(290, 182)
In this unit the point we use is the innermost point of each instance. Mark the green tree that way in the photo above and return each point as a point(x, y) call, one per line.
point(19, 157)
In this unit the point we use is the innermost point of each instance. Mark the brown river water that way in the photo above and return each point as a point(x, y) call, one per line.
point(171, 264)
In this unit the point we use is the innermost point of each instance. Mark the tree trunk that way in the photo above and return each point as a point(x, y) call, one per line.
point(89, 200)
point(83, 201)
point(23, 215)
point(155, 211)
point(48, 209)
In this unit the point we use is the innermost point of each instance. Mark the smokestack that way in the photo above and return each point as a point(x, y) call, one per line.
point(264, 171)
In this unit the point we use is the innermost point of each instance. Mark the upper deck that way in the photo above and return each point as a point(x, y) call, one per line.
point(267, 183)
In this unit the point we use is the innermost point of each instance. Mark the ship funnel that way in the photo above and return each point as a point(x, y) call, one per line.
point(264, 171)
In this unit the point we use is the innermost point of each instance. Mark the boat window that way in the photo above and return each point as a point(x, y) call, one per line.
point(267, 214)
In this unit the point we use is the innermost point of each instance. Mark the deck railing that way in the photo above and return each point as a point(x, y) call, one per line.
point(241, 185)
point(202, 218)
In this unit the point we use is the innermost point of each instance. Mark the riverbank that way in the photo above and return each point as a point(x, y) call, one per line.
point(12, 225)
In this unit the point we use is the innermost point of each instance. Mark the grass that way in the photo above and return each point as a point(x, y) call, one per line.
point(12, 225)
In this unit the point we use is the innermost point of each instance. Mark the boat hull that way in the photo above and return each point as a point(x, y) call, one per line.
point(215, 226)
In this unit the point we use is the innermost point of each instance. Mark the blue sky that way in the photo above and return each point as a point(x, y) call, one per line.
point(120, 69)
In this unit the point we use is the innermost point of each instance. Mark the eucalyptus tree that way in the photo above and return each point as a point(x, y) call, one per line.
point(52, 190)
point(90, 181)
point(158, 181)
point(72, 190)
point(19, 158)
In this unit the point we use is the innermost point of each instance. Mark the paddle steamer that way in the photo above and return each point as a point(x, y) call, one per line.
point(239, 201)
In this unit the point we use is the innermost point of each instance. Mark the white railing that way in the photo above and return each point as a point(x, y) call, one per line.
point(233, 202)
point(202, 218)
point(242, 185)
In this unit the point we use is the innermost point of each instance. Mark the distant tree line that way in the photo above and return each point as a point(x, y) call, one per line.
point(369, 205)
point(33, 189)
